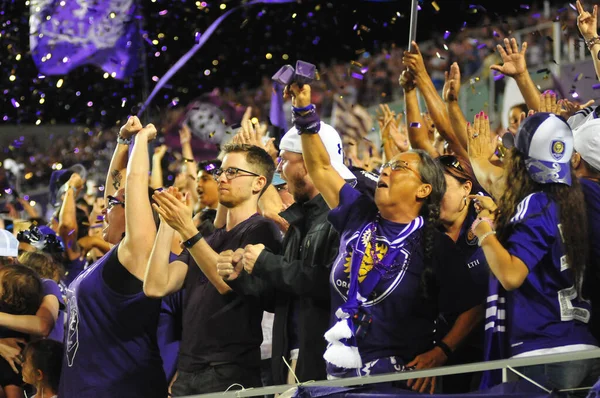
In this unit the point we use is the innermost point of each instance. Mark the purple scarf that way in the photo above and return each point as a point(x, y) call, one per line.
point(342, 350)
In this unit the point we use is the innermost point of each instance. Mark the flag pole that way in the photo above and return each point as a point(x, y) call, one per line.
point(144, 60)
point(414, 11)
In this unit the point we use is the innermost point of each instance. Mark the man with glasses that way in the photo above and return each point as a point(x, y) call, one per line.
point(300, 277)
point(221, 329)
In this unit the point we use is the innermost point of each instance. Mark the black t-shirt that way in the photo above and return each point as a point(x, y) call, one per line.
point(223, 328)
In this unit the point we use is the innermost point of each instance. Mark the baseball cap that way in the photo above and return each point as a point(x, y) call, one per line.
point(9, 245)
point(586, 141)
point(333, 144)
point(546, 140)
point(277, 180)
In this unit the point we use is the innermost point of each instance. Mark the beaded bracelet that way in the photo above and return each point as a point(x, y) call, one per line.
point(591, 42)
point(480, 239)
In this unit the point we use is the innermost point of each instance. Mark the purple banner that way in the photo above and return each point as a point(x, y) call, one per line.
point(66, 34)
point(276, 113)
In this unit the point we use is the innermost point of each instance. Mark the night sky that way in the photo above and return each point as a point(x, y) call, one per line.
point(235, 56)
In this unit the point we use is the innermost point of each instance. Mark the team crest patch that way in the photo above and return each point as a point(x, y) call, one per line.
point(558, 149)
point(471, 238)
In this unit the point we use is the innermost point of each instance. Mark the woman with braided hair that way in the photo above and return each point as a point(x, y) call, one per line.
point(395, 271)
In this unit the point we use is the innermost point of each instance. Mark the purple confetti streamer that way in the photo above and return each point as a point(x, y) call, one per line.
point(202, 40)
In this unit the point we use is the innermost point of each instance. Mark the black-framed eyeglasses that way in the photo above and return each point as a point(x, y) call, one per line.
point(451, 161)
point(233, 172)
point(112, 202)
point(397, 165)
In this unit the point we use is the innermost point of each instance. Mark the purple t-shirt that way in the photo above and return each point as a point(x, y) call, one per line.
point(49, 287)
point(545, 311)
point(591, 192)
point(404, 319)
point(169, 329)
point(111, 347)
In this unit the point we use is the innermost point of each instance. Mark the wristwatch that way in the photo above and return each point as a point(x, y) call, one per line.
point(191, 241)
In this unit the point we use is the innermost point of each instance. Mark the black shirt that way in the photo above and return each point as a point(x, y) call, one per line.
point(223, 328)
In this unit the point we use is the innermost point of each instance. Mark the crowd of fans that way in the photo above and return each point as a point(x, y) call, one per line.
point(317, 255)
point(369, 80)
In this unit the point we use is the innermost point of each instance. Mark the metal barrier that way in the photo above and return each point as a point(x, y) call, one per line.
point(506, 365)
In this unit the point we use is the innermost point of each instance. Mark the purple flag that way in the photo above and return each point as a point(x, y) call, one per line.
point(276, 113)
point(65, 34)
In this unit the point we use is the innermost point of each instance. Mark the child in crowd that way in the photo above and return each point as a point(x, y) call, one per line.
point(41, 369)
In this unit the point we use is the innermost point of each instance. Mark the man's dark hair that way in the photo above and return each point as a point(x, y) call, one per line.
point(257, 157)
point(46, 355)
point(21, 290)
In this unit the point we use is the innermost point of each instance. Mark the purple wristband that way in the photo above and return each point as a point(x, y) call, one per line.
point(309, 123)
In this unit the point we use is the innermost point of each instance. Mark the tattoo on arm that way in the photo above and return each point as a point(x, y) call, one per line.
point(116, 176)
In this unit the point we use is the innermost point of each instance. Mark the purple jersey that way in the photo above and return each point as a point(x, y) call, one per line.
point(545, 311)
point(111, 347)
point(403, 319)
point(50, 288)
point(591, 192)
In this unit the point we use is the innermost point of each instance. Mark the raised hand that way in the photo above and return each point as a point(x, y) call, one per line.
point(480, 142)
point(185, 134)
point(586, 22)
point(407, 81)
point(451, 84)
point(130, 128)
point(414, 61)
point(149, 132)
point(570, 108)
point(300, 95)
point(549, 104)
point(513, 60)
point(160, 151)
point(391, 128)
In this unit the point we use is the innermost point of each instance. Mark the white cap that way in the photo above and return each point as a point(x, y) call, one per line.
point(9, 245)
point(291, 142)
point(587, 142)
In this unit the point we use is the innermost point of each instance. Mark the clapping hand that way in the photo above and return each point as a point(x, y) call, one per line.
point(175, 209)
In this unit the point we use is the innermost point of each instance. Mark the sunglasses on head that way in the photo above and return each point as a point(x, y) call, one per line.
point(451, 161)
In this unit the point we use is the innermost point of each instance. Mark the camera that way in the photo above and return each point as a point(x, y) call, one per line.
point(305, 73)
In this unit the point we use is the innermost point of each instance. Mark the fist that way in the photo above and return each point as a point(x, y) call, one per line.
point(251, 253)
point(75, 181)
point(149, 132)
point(229, 264)
point(130, 128)
point(300, 95)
